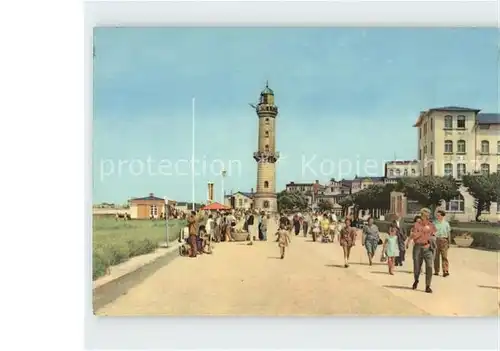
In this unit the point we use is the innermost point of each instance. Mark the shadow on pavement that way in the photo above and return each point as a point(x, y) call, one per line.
point(400, 287)
point(274, 257)
point(396, 271)
point(366, 264)
point(335, 265)
point(488, 287)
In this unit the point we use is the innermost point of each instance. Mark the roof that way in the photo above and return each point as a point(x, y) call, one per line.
point(267, 90)
point(215, 206)
point(299, 184)
point(444, 108)
point(368, 178)
point(488, 118)
point(151, 197)
point(247, 194)
point(454, 109)
point(402, 162)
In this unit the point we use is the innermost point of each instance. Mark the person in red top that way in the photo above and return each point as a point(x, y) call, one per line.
point(423, 236)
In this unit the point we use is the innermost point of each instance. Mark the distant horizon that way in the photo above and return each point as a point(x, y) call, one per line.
point(345, 94)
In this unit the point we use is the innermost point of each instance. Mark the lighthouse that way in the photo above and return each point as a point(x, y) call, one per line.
point(266, 155)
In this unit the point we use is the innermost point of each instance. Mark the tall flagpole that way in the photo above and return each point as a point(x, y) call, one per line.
point(192, 159)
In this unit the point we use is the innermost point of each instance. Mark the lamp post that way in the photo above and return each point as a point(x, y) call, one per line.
point(167, 216)
point(223, 175)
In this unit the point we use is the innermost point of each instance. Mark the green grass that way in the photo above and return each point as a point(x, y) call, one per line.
point(114, 242)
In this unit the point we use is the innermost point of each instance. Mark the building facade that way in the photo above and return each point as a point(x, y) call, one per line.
point(266, 154)
point(360, 183)
point(239, 200)
point(147, 207)
point(454, 141)
point(397, 169)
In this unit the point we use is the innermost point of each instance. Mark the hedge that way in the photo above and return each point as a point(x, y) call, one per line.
point(484, 236)
point(114, 242)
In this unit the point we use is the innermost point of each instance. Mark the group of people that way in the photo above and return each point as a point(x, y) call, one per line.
point(431, 240)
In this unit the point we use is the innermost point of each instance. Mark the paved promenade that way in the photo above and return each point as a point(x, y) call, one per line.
point(311, 281)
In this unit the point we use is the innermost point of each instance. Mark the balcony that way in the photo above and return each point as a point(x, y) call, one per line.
point(266, 156)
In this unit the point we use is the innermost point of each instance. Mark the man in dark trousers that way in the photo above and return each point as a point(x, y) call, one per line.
point(192, 234)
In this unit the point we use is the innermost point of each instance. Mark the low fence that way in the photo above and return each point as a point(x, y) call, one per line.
point(485, 236)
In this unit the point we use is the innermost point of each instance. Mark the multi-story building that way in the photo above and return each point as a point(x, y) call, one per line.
point(397, 169)
point(360, 183)
point(456, 141)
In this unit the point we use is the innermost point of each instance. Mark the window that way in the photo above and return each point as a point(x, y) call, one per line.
point(267, 120)
point(398, 172)
point(448, 146)
point(448, 122)
point(413, 172)
point(153, 211)
point(420, 133)
point(448, 169)
point(461, 122)
point(266, 204)
point(431, 173)
point(498, 168)
point(266, 133)
point(461, 147)
point(485, 168)
point(456, 204)
point(391, 172)
point(266, 184)
point(266, 148)
point(498, 147)
point(485, 147)
point(420, 154)
point(240, 202)
point(425, 130)
point(432, 124)
point(461, 170)
point(405, 173)
point(425, 150)
point(432, 148)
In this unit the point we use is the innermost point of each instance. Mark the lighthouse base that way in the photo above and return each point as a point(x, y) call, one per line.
point(266, 202)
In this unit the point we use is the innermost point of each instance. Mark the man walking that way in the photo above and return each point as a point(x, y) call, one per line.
point(251, 227)
point(192, 234)
point(443, 231)
point(421, 235)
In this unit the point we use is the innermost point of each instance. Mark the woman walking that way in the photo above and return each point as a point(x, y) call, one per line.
point(370, 239)
point(283, 240)
point(347, 240)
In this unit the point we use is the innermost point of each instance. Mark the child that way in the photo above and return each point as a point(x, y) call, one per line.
point(316, 229)
point(283, 240)
point(391, 248)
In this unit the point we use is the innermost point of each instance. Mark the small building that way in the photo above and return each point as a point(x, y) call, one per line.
point(240, 200)
point(147, 207)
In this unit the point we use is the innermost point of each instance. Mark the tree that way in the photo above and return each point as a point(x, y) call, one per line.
point(485, 190)
point(428, 191)
point(291, 201)
point(324, 205)
point(345, 203)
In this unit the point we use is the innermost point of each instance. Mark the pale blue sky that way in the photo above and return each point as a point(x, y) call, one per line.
point(342, 93)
